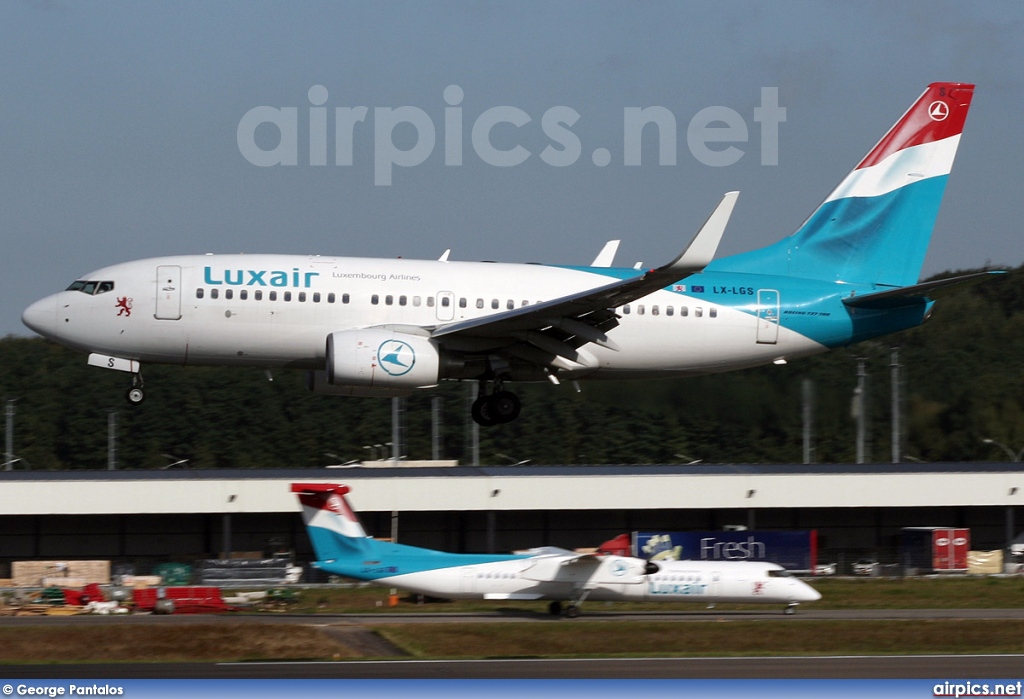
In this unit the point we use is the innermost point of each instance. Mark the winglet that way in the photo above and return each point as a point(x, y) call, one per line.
point(702, 248)
point(607, 254)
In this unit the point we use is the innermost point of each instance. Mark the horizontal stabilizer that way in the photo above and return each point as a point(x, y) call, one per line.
point(918, 293)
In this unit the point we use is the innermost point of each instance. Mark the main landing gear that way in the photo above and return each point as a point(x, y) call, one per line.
point(572, 608)
point(496, 408)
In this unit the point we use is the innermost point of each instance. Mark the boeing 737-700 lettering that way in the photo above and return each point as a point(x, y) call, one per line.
point(387, 327)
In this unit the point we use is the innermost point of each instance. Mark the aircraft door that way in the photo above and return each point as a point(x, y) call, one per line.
point(168, 292)
point(715, 584)
point(767, 316)
point(444, 304)
point(467, 580)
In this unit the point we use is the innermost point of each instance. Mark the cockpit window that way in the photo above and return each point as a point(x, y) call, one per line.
point(91, 287)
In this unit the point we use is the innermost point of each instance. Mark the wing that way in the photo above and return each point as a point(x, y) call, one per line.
point(549, 334)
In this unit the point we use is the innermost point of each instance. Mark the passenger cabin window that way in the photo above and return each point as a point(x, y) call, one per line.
point(698, 312)
point(669, 310)
point(213, 293)
point(495, 304)
point(316, 297)
point(625, 310)
point(479, 303)
point(243, 294)
point(258, 294)
point(199, 293)
point(713, 312)
point(272, 297)
point(375, 299)
point(287, 296)
point(229, 293)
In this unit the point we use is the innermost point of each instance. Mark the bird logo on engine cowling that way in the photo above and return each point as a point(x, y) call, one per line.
point(396, 357)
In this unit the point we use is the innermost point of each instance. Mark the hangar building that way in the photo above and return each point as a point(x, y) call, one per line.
point(146, 517)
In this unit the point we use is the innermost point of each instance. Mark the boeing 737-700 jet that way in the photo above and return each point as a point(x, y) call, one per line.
point(387, 327)
point(343, 548)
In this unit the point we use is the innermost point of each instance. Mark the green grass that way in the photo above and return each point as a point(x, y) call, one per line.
point(711, 638)
point(715, 635)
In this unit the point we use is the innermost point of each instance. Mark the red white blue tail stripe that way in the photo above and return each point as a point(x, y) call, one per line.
point(875, 226)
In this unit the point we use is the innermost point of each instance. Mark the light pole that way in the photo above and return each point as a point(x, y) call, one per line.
point(1014, 456)
point(9, 432)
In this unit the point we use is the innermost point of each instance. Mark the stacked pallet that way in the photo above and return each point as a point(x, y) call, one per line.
point(62, 573)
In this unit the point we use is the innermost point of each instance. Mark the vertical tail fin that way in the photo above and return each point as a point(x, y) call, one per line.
point(876, 225)
point(333, 526)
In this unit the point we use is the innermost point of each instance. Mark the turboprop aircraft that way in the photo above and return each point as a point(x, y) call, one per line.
point(343, 548)
point(387, 327)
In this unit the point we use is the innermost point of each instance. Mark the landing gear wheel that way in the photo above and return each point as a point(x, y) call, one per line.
point(791, 609)
point(483, 412)
point(572, 611)
point(555, 609)
point(505, 406)
point(135, 395)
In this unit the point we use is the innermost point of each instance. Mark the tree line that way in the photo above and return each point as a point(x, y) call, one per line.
point(962, 382)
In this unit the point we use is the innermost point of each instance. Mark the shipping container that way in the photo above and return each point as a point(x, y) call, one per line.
point(935, 549)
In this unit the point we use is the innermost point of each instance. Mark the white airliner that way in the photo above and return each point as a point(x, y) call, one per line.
point(387, 327)
point(343, 548)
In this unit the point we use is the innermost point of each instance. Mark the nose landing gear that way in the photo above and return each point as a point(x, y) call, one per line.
point(135, 394)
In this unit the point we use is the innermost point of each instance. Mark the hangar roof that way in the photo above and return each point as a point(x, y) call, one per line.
point(380, 488)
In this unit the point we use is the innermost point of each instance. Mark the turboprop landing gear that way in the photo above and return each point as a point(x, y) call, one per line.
point(135, 394)
point(790, 608)
point(496, 408)
point(572, 608)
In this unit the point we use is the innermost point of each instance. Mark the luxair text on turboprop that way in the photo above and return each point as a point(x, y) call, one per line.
point(259, 277)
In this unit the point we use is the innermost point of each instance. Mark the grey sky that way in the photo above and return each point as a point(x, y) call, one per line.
point(118, 126)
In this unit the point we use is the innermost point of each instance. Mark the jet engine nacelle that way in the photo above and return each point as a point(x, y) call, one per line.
point(381, 358)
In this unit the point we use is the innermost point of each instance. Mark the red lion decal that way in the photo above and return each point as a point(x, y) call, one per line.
point(125, 304)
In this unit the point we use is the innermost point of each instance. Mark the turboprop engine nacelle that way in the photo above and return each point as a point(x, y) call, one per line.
point(381, 358)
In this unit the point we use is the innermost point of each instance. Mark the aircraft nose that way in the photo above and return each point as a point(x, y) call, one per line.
point(41, 316)
point(808, 593)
